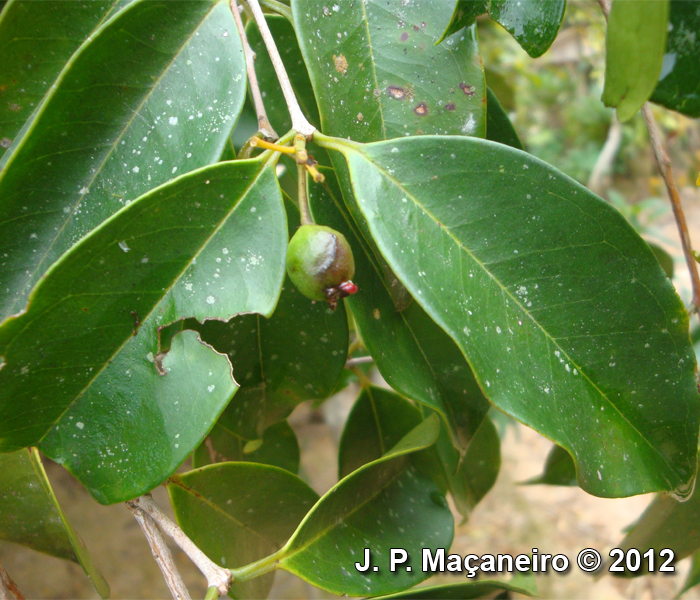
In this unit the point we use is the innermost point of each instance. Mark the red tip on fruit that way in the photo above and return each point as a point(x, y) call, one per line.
point(348, 287)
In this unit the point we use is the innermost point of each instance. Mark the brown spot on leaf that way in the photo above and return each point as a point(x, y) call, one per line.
point(469, 90)
point(396, 92)
point(5, 142)
point(404, 36)
point(360, 117)
point(341, 64)
point(451, 106)
point(421, 110)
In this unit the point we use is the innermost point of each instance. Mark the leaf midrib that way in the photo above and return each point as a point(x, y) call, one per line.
point(323, 532)
point(53, 91)
point(505, 291)
point(165, 292)
point(175, 480)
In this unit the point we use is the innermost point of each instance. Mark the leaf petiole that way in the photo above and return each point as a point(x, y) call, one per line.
point(258, 568)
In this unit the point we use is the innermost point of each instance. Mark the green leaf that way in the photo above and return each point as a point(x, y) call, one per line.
point(286, 39)
point(278, 446)
point(144, 100)
point(693, 578)
point(371, 509)
point(664, 258)
point(415, 356)
point(297, 354)
point(678, 87)
point(498, 126)
point(634, 51)
point(30, 514)
point(560, 307)
point(377, 422)
point(471, 476)
point(238, 513)
point(380, 418)
point(666, 523)
point(377, 74)
point(464, 15)
point(29, 32)
point(386, 82)
point(559, 469)
point(534, 24)
point(209, 245)
point(519, 583)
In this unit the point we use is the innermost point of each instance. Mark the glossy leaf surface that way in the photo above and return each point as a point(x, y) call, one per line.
point(634, 51)
point(238, 513)
point(666, 523)
point(415, 356)
point(377, 74)
point(534, 24)
point(385, 504)
point(29, 32)
point(30, 514)
point(520, 583)
point(678, 87)
point(154, 94)
point(559, 469)
point(278, 446)
point(566, 317)
point(118, 424)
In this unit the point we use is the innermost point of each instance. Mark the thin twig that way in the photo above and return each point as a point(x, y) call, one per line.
point(299, 122)
point(161, 553)
point(360, 360)
point(664, 162)
point(7, 586)
point(216, 576)
point(263, 122)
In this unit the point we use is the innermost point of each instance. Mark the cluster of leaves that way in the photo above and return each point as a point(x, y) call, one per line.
point(146, 318)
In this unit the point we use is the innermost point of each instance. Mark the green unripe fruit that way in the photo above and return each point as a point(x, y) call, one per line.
point(320, 264)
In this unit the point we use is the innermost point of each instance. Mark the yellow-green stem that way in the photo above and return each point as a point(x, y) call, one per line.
point(302, 196)
point(258, 568)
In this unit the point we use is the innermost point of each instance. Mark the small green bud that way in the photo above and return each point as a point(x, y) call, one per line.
point(320, 264)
